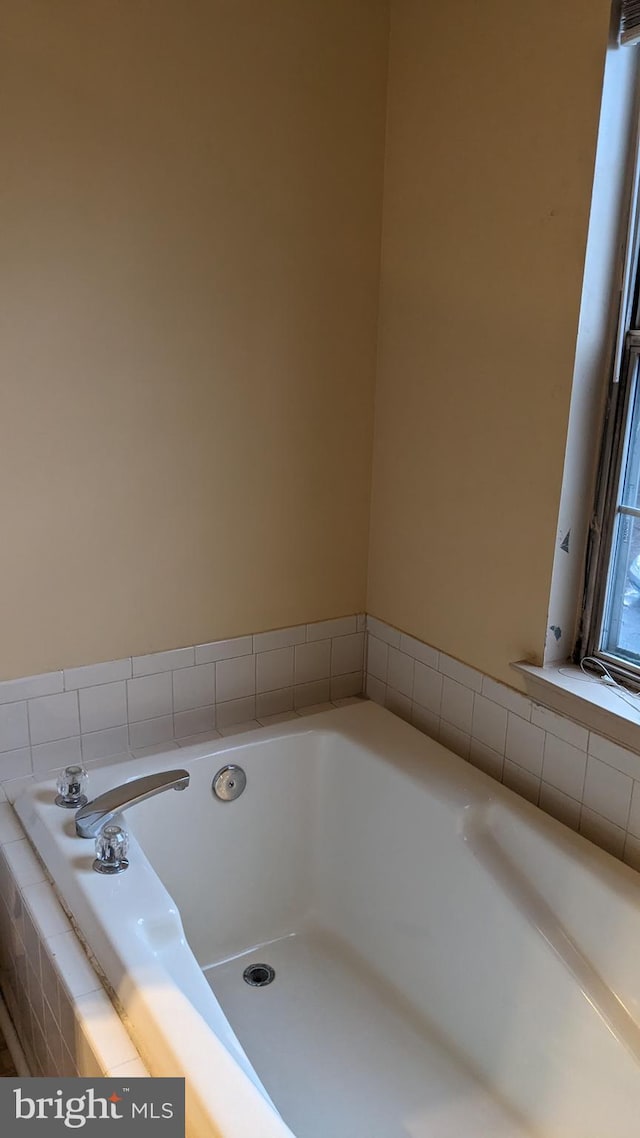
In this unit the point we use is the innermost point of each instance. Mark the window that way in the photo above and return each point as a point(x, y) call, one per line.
point(611, 617)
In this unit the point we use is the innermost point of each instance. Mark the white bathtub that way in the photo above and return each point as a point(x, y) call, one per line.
point(448, 960)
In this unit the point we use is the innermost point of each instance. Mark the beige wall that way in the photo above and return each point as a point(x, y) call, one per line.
point(492, 122)
point(189, 249)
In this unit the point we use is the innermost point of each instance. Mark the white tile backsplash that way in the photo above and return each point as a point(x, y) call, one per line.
point(103, 706)
point(235, 678)
point(54, 717)
point(94, 674)
point(29, 687)
point(312, 662)
point(14, 728)
point(457, 705)
point(274, 669)
point(224, 650)
point(607, 792)
point(584, 780)
point(150, 696)
point(194, 687)
point(326, 629)
point(163, 661)
point(146, 701)
point(377, 658)
point(564, 766)
point(281, 638)
point(489, 723)
point(347, 654)
point(400, 672)
point(150, 731)
point(524, 744)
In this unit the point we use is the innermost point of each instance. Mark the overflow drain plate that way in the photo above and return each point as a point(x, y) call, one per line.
point(229, 783)
point(258, 975)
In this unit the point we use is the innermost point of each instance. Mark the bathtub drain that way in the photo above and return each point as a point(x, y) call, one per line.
point(258, 975)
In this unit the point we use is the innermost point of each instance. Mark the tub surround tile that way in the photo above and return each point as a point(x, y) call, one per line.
point(15, 764)
point(10, 828)
point(23, 863)
point(400, 672)
point(457, 705)
point(631, 854)
point(274, 669)
point(102, 744)
point(634, 813)
point(572, 773)
point(489, 723)
point(383, 631)
point(308, 695)
point(194, 722)
point(274, 703)
point(279, 717)
point(427, 687)
point(623, 760)
point(312, 662)
point(54, 756)
point(280, 638)
point(564, 766)
point(94, 674)
point(398, 703)
point(103, 706)
point(376, 690)
point(418, 651)
point(194, 687)
point(14, 727)
point(457, 741)
point(30, 687)
point(224, 650)
point(235, 711)
point(377, 658)
point(155, 749)
point(462, 673)
point(558, 725)
point(522, 781)
point(607, 792)
point(150, 697)
point(315, 709)
point(163, 661)
point(240, 728)
point(347, 654)
point(151, 732)
point(524, 744)
point(65, 1022)
point(483, 757)
point(53, 717)
point(425, 720)
point(602, 832)
point(326, 629)
point(561, 806)
point(506, 697)
point(202, 737)
point(235, 679)
point(346, 686)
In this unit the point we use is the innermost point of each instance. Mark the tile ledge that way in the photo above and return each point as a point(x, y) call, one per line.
point(566, 689)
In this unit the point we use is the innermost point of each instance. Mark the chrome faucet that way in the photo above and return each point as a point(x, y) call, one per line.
point(91, 818)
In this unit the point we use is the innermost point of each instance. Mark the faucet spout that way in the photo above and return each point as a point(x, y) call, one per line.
point(91, 818)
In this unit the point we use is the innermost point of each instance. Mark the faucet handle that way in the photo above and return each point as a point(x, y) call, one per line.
point(112, 846)
point(71, 786)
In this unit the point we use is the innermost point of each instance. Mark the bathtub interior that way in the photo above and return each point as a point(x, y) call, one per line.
point(344, 864)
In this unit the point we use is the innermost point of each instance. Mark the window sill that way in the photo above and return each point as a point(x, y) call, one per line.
point(598, 706)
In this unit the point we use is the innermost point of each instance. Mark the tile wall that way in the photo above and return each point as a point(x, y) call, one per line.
point(583, 779)
point(147, 702)
point(64, 1019)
